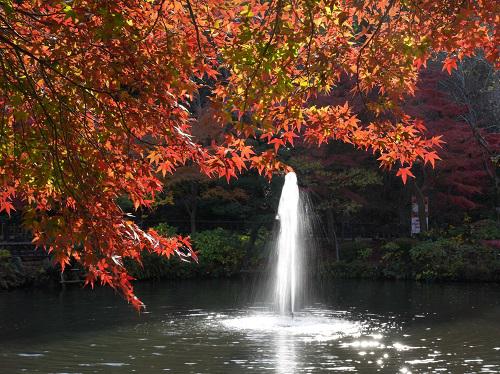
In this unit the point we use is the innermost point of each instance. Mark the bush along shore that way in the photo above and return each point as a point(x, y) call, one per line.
point(16, 272)
point(221, 253)
point(467, 253)
point(470, 252)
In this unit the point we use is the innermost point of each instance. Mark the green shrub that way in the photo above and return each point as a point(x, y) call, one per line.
point(258, 254)
point(351, 250)
point(405, 244)
point(457, 253)
point(429, 259)
point(263, 238)
point(485, 230)
point(220, 251)
point(220, 254)
point(394, 260)
point(5, 255)
point(480, 230)
point(454, 259)
point(157, 267)
point(11, 270)
point(165, 229)
point(365, 253)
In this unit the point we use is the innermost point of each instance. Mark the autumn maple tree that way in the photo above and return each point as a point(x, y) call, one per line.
point(97, 99)
point(463, 177)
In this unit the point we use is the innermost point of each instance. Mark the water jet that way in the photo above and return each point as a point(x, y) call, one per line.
point(288, 251)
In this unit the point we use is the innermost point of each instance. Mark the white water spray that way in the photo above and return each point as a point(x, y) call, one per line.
point(288, 270)
point(292, 253)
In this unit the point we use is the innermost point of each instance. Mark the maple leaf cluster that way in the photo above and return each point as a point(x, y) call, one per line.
point(97, 99)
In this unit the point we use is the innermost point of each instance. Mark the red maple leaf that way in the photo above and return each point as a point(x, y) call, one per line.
point(404, 173)
point(449, 64)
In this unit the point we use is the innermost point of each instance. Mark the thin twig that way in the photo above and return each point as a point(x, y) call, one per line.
point(195, 24)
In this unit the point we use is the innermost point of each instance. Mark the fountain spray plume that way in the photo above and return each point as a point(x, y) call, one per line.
point(289, 252)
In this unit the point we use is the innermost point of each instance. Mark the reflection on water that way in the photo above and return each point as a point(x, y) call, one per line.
point(286, 360)
point(286, 334)
point(207, 327)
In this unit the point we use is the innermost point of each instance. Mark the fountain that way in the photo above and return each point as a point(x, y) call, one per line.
point(287, 248)
point(291, 323)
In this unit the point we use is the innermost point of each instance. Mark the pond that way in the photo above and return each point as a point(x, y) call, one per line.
point(212, 327)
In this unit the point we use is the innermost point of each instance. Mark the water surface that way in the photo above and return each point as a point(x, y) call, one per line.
point(211, 327)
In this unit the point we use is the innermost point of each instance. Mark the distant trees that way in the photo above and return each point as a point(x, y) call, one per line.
point(465, 178)
point(336, 177)
point(475, 85)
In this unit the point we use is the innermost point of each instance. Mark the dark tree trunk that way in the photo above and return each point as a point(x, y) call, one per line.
point(253, 238)
point(422, 216)
point(251, 243)
point(192, 221)
point(192, 206)
point(332, 235)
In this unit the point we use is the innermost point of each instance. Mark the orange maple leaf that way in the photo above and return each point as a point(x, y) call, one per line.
point(404, 173)
point(449, 64)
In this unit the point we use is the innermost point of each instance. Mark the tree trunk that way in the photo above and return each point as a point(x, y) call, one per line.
point(422, 216)
point(192, 220)
point(332, 235)
point(250, 247)
point(193, 206)
point(253, 238)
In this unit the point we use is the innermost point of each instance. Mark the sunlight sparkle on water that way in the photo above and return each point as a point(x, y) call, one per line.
point(310, 328)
